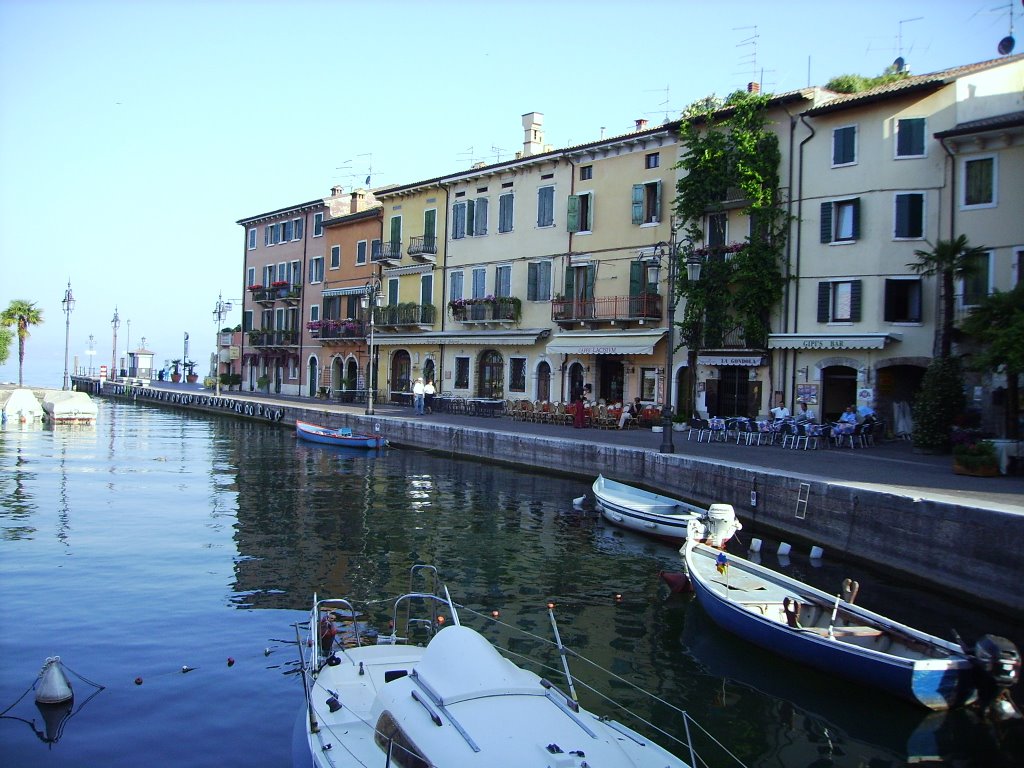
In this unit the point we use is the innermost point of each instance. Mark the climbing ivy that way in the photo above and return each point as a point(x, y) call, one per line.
point(730, 148)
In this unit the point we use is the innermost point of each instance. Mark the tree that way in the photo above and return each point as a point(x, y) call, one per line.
point(938, 404)
point(950, 260)
point(997, 325)
point(21, 314)
point(5, 344)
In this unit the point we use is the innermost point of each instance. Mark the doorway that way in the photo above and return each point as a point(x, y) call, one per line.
point(491, 381)
point(838, 390)
point(611, 380)
point(733, 394)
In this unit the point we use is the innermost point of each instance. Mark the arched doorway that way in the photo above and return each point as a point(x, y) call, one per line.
point(544, 381)
point(838, 390)
point(491, 378)
point(428, 371)
point(401, 371)
point(314, 376)
point(576, 377)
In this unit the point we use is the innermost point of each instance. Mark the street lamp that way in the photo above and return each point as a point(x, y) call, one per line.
point(115, 324)
point(371, 299)
point(220, 311)
point(128, 346)
point(68, 303)
point(91, 351)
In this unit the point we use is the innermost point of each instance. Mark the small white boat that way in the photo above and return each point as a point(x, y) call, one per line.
point(443, 695)
point(69, 407)
point(832, 634)
point(22, 406)
point(661, 516)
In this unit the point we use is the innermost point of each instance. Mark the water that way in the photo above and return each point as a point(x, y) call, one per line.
point(156, 541)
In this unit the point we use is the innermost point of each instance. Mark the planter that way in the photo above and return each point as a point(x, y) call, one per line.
point(175, 377)
point(982, 471)
point(657, 428)
point(192, 378)
point(678, 426)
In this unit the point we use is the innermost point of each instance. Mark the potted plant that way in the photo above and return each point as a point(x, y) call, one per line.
point(973, 455)
point(190, 371)
point(263, 383)
point(679, 423)
point(175, 371)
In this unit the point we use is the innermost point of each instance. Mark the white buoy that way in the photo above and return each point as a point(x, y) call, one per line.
point(755, 545)
point(54, 687)
point(784, 548)
point(816, 553)
point(577, 503)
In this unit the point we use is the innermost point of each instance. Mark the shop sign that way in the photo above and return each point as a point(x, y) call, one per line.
point(740, 361)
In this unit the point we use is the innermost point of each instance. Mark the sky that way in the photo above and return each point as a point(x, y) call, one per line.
point(133, 135)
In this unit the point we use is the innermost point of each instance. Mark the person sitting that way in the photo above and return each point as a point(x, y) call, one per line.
point(631, 411)
point(849, 416)
point(865, 413)
point(804, 413)
point(780, 412)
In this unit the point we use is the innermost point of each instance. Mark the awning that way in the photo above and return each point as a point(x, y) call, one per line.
point(832, 342)
point(353, 291)
point(523, 337)
point(621, 343)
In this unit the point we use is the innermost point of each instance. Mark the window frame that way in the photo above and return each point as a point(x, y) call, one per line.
point(546, 206)
point(889, 299)
point(503, 280)
point(538, 280)
point(318, 224)
point(710, 227)
point(896, 138)
point(361, 252)
point(896, 213)
point(517, 374)
point(506, 212)
point(962, 283)
point(461, 380)
point(836, 132)
point(457, 285)
point(827, 301)
point(316, 267)
point(964, 182)
point(251, 239)
point(645, 203)
point(652, 160)
point(335, 257)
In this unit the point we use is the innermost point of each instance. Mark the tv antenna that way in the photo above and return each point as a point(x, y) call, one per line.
point(664, 105)
point(1006, 45)
point(497, 153)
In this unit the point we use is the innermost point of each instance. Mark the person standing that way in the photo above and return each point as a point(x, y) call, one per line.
point(428, 396)
point(418, 390)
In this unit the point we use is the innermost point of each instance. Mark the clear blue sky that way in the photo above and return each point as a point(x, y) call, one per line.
point(134, 134)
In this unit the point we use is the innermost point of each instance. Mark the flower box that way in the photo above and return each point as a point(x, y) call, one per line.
point(979, 471)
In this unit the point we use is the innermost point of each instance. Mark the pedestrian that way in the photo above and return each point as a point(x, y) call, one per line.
point(417, 397)
point(428, 395)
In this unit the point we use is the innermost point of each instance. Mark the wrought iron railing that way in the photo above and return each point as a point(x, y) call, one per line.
point(608, 308)
point(423, 244)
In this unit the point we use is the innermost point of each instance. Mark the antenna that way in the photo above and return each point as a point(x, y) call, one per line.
point(1006, 45)
point(751, 58)
point(899, 36)
point(663, 104)
point(497, 153)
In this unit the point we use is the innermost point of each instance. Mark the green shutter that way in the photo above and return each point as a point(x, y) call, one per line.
point(638, 203)
point(531, 281)
point(591, 279)
point(572, 214)
point(824, 300)
point(570, 282)
point(657, 201)
point(826, 222)
point(430, 223)
point(396, 229)
point(856, 219)
point(637, 273)
point(855, 296)
point(470, 217)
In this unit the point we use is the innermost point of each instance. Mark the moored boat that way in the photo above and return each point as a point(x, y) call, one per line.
point(441, 694)
point(661, 516)
point(341, 436)
point(69, 407)
point(831, 633)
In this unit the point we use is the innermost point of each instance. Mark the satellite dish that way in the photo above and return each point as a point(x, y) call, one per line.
point(899, 64)
point(1006, 45)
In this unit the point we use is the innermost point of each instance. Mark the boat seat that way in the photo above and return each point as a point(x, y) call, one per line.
point(852, 631)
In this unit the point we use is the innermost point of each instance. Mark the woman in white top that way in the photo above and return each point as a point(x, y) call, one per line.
point(805, 413)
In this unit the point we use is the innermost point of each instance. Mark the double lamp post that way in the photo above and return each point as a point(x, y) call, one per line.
point(68, 306)
point(371, 299)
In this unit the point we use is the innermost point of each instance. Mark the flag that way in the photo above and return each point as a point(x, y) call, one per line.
point(721, 562)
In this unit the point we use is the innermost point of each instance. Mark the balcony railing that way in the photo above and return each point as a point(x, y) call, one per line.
point(405, 314)
point(290, 293)
point(329, 331)
point(424, 245)
point(486, 312)
point(607, 308)
point(733, 339)
point(386, 251)
point(289, 338)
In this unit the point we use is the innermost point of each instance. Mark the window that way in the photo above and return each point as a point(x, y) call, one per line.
point(282, 271)
point(335, 256)
point(652, 160)
point(839, 301)
point(505, 212)
point(459, 220)
point(455, 288)
point(717, 229)
point(395, 241)
point(287, 231)
point(979, 182)
point(580, 212)
point(314, 312)
point(297, 225)
point(902, 300)
point(646, 203)
point(517, 374)
point(909, 216)
point(392, 290)
point(252, 239)
point(910, 133)
point(426, 289)
point(268, 235)
point(316, 270)
point(250, 276)
point(538, 281)
point(976, 286)
point(247, 320)
point(586, 173)
point(844, 146)
point(479, 217)
point(840, 221)
point(295, 273)
point(268, 275)
point(503, 280)
point(479, 282)
point(462, 373)
point(469, 218)
point(318, 224)
point(546, 207)
point(361, 252)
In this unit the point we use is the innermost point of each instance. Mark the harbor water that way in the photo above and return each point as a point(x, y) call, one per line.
point(167, 557)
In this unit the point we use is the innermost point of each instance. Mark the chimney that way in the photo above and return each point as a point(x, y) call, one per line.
point(336, 190)
point(641, 124)
point(358, 201)
point(533, 140)
point(753, 87)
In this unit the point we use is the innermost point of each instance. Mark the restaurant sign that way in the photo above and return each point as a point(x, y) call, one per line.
point(741, 361)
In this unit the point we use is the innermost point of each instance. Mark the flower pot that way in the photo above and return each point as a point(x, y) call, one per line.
point(192, 378)
point(981, 471)
point(657, 428)
point(175, 377)
point(678, 426)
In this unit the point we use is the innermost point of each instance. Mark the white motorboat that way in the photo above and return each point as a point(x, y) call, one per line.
point(662, 516)
point(69, 407)
point(383, 699)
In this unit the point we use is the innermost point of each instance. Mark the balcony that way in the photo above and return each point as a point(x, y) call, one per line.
point(607, 309)
point(423, 248)
point(335, 332)
point(285, 338)
point(405, 316)
point(504, 310)
point(290, 294)
point(732, 339)
point(387, 253)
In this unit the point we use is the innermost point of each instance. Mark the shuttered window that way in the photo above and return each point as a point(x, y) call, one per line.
point(538, 281)
point(546, 207)
point(910, 137)
point(840, 221)
point(505, 212)
point(839, 301)
point(844, 145)
point(909, 216)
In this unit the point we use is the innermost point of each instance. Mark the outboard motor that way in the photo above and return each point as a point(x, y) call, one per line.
point(997, 662)
point(721, 524)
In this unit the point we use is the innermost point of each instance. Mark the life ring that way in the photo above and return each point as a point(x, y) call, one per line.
point(259, 409)
point(248, 410)
point(279, 415)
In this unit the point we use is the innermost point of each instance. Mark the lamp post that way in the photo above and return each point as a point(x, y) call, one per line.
point(220, 311)
point(91, 351)
point(371, 299)
point(128, 345)
point(68, 304)
point(115, 324)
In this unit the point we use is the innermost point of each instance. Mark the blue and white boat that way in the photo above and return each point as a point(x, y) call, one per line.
point(342, 437)
point(832, 634)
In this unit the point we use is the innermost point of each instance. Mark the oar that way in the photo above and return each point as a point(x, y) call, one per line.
point(832, 621)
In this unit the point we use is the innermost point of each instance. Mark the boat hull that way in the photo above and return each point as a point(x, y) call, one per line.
point(325, 436)
point(939, 677)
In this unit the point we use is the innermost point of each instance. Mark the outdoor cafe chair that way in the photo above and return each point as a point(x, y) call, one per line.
point(747, 431)
point(700, 427)
point(809, 432)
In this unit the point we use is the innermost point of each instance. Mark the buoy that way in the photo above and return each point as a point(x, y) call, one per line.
point(231, 662)
point(755, 545)
point(54, 687)
point(138, 681)
point(784, 548)
point(816, 553)
point(495, 614)
point(186, 668)
point(577, 503)
point(677, 581)
point(266, 651)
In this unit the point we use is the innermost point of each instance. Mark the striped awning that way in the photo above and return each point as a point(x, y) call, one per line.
point(355, 290)
point(621, 343)
point(831, 342)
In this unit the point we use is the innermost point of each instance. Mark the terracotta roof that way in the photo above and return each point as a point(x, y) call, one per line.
point(911, 84)
point(1010, 120)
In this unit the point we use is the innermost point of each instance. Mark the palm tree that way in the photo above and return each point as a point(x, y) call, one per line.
point(951, 260)
point(21, 314)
